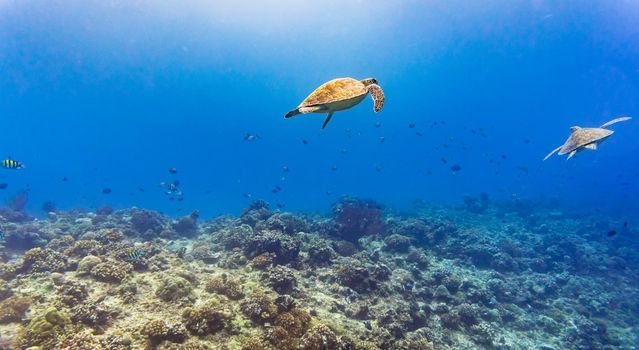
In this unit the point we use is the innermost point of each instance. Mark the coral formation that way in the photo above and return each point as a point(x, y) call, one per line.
point(483, 275)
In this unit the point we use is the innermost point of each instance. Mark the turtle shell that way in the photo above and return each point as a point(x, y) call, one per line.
point(582, 137)
point(336, 90)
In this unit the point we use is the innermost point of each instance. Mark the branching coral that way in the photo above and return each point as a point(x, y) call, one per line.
point(225, 285)
point(111, 271)
point(357, 217)
point(173, 288)
point(13, 308)
point(206, 319)
point(259, 307)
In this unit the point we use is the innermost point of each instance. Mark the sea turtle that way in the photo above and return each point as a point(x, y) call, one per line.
point(585, 138)
point(338, 95)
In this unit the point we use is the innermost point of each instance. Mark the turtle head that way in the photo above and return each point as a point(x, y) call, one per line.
point(369, 81)
point(574, 128)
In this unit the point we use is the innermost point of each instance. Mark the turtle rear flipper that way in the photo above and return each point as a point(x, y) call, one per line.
point(378, 96)
point(571, 154)
point(617, 120)
point(553, 152)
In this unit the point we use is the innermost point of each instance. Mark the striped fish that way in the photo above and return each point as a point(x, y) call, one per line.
point(134, 254)
point(12, 164)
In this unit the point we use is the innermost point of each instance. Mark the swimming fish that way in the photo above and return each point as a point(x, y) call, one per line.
point(106, 190)
point(12, 164)
point(2, 236)
point(3, 186)
point(455, 168)
point(134, 254)
point(173, 170)
point(612, 233)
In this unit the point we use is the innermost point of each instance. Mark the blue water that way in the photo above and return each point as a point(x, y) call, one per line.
point(113, 94)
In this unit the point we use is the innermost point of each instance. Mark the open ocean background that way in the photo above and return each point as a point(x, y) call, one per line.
point(111, 94)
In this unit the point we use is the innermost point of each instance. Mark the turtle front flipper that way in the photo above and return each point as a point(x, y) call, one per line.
point(378, 96)
point(571, 154)
point(622, 119)
point(328, 119)
point(553, 152)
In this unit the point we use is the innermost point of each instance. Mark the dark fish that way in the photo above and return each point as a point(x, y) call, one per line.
point(377, 125)
point(2, 236)
point(305, 142)
point(411, 125)
point(503, 156)
point(11, 164)
point(343, 151)
point(172, 170)
point(418, 133)
point(285, 169)
point(207, 192)
point(455, 167)
point(378, 168)
point(625, 224)
point(276, 189)
point(334, 168)
point(368, 325)
point(246, 195)
point(140, 189)
point(106, 190)
point(611, 233)
point(134, 254)
point(382, 139)
point(3, 186)
point(65, 179)
point(280, 205)
point(444, 160)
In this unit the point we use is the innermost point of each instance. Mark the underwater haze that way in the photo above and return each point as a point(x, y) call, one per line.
point(153, 195)
point(112, 94)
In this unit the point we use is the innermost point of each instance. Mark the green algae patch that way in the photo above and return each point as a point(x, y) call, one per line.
point(44, 330)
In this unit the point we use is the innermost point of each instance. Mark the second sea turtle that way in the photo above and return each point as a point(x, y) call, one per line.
point(585, 138)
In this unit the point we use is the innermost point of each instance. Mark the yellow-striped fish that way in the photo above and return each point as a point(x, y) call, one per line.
point(12, 164)
point(134, 254)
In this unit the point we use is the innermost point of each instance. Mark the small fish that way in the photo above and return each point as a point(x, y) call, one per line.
point(65, 179)
point(2, 236)
point(334, 168)
point(305, 142)
point(411, 125)
point(612, 233)
point(419, 134)
point(250, 137)
point(378, 168)
point(285, 169)
point(134, 254)
point(382, 139)
point(3, 186)
point(173, 170)
point(377, 125)
point(246, 195)
point(276, 189)
point(343, 151)
point(503, 156)
point(625, 224)
point(455, 168)
point(106, 190)
point(12, 164)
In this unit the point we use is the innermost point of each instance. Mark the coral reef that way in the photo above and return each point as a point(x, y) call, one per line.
point(483, 275)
